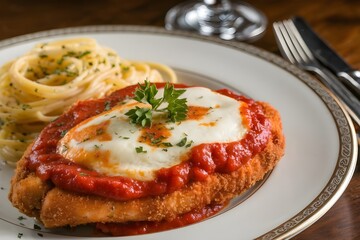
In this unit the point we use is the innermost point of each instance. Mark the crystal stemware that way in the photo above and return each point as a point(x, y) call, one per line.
point(226, 19)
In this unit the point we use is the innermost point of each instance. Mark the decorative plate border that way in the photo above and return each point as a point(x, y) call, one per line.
point(348, 145)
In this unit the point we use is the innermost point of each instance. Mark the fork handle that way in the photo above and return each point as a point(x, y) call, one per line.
point(352, 80)
point(349, 101)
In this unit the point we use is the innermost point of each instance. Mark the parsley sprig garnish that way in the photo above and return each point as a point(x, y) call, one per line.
point(175, 110)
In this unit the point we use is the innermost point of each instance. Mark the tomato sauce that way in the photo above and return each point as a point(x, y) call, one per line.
point(205, 159)
point(136, 228)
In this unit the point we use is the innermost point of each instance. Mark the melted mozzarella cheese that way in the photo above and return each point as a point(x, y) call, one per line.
point(109, 144)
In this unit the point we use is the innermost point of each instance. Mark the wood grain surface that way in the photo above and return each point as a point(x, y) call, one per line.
point(337, 21)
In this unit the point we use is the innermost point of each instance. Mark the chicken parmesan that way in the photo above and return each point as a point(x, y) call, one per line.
point(147, 158)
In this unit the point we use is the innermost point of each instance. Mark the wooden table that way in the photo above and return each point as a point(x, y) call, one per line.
point(337, 21)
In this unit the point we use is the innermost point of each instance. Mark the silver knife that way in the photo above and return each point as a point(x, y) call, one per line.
point(328, 57)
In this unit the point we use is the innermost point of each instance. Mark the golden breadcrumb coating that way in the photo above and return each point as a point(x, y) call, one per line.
point(55, 207)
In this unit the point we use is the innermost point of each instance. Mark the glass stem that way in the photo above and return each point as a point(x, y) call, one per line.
point(215, 16)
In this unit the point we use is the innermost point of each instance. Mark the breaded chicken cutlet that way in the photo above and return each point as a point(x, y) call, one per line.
point(37, 193)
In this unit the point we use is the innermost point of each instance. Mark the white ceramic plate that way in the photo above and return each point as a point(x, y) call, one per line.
point(320, 141)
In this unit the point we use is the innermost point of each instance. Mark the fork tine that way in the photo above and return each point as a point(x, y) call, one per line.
point(289, 42)
point(295, 46)
point(298, 41)
point(296, 51)
point(283, 46)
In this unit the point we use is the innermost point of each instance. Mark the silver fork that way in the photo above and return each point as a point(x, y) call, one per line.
point(294, 49)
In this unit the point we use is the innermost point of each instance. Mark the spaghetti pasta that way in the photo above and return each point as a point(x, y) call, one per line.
point(40, 85)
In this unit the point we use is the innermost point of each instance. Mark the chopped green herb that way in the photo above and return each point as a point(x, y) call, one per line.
point(44, 70)
point(63, 132)
point(188, 144)
point(61, 60)
point(60, 124)
point(20, 235)
point(85, 139)
point(71, 74)
point(140, 150)
point(107, 105)
point(166, 144)
point(37, 227)
point(83, 174)
point(40, 234)
point(72, 54)
point(155, 141)
point(25, 106)
point(141, 116)
point(125, 69)
point(182, 142)
point(20, 218)
point(57, 71)
point(83, 54)
point(43, 55)
point(175, 111)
